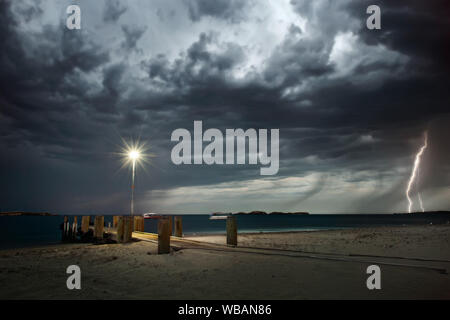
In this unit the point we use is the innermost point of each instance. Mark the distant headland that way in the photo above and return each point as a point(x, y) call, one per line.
point(24, 213)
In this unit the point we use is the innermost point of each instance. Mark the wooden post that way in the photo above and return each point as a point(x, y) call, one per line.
point(128, 228)
point(85, 223)
point(170, 224)
point(65, 232)
point(142, 224)
point(74, 227)
point(139, 223)
point(178, 226)
point(129, 224)
point(163, 236)
point(231, 231)
point(124, 229)
point(99, 224)
point(115, 221)
point(120, 229)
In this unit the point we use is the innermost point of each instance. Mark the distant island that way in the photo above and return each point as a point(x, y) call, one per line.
point(24, 213)
point(260, 213)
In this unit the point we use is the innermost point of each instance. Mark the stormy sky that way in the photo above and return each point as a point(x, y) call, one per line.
point(351, 104)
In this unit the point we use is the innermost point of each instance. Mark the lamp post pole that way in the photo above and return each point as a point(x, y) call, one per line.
point(132, 186)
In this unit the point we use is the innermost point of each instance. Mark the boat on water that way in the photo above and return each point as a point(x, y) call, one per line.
point(218, 217)
point(151, 215)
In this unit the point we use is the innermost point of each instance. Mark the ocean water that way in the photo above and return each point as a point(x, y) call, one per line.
point(26, 231)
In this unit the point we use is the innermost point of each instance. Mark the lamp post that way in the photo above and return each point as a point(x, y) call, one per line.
point(133, 155)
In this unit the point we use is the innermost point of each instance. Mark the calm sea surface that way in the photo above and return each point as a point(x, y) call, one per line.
point(25, 231)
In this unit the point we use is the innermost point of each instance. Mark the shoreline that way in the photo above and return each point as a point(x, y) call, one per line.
point(286, 265)
point(244, 233)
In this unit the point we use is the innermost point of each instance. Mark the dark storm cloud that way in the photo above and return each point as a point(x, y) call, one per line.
point(286, 67)
point(29, 12)
point(233, 10)
point(338, 108)
point(112, 77)
point(199, 69)
point(113, 10)
point(419, 29)
point(132, 36)
point(358, 109)
point(41, 92)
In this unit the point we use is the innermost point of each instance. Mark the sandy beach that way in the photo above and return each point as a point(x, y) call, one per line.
point(414, 262)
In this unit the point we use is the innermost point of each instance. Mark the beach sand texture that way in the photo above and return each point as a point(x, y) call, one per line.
point(298, 265)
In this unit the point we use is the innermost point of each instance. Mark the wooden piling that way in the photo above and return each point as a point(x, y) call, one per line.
point(74, 227)
point(231, 231)
point(65, 233)
point(171, 225)
point(99, 224)
point(139, 223)
point(178, 226)
point(115, 221)
point(124, 229)
point(142, 224)
point(163, 235)
point(120, 228)
point(129, 226)
point(85, 224)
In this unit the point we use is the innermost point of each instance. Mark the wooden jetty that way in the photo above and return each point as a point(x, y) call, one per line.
point(125, 228)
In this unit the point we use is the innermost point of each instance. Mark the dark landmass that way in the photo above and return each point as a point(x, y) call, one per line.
point(260, 213)
point(23, 213)
point(289, 213)
point(426, 212)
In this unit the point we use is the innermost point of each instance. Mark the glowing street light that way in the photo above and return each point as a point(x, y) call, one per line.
point(134, 156)
point(134, 153)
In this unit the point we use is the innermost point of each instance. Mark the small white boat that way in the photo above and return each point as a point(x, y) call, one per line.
point(218, 217)
point(151, 215)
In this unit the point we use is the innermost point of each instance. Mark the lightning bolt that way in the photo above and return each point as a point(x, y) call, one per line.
point(414, 173)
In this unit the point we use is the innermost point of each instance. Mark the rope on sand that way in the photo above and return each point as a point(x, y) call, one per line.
point(395, 257)
point(350, 254)
point(324, 253)
point(304, 254)
point(318, 257)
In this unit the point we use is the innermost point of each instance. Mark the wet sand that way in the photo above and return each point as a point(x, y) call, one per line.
point(297, 265)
